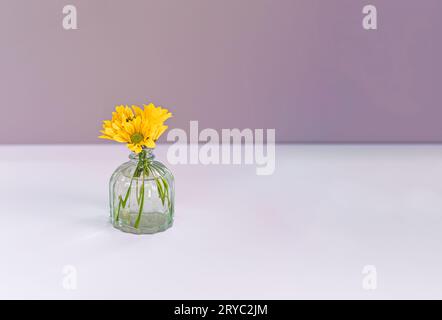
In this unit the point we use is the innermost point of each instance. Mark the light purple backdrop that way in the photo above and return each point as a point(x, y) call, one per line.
point(304, 67)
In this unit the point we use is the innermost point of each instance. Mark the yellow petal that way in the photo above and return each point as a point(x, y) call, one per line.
point(138, 111)
point(118, 138)
point(134, 147)
point(137, 124)
point(150, 144)
point(129, 128)
point(105, 137)
point(109, 131)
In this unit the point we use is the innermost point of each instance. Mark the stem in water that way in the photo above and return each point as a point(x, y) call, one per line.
point(141, 197)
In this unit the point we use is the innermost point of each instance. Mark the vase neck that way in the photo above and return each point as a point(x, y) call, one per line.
point(146, 154)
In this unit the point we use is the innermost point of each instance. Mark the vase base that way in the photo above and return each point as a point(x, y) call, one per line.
point(149, 223)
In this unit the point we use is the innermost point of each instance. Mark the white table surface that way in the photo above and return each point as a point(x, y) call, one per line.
point(305, 232)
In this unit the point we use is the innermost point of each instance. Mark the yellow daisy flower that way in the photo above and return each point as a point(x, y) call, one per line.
point(136, 127)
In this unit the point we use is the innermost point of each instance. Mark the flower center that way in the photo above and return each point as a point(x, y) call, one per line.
point(136, 138)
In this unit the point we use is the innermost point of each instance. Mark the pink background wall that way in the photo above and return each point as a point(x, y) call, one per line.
point(304, 67)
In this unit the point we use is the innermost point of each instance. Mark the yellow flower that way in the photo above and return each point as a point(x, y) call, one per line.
point(137, 127)
point(122, 114)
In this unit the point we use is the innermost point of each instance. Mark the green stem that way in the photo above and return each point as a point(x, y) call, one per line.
point(163, 190)
point(122, 203)
point(140, 211)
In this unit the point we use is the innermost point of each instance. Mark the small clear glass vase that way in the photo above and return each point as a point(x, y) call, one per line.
point(142, 195)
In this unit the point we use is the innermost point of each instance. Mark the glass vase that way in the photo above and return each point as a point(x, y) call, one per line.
point(142, 195)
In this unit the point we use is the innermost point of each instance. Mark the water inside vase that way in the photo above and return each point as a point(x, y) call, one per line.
point(151, 222)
